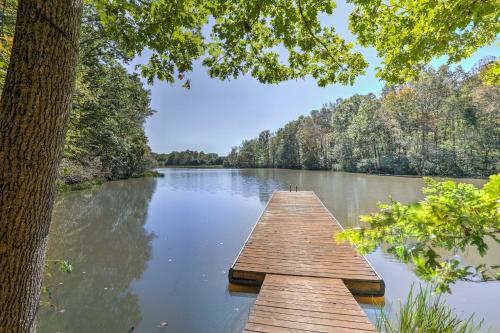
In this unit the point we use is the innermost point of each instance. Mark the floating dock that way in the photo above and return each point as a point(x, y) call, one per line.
point(305, 304)
point(308, 281)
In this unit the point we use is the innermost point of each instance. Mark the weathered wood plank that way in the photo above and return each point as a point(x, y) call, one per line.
point(306, 304)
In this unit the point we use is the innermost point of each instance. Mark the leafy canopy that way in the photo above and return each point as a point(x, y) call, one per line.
point(408, 34)
point(452, 217)
point(276, 40)
point(272, 40)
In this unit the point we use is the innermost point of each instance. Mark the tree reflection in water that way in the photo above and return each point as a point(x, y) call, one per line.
point(102, 233)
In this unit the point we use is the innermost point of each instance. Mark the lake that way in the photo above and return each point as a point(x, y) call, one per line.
point(152, 254)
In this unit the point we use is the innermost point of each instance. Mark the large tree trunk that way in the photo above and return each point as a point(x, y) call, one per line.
point(33, 117)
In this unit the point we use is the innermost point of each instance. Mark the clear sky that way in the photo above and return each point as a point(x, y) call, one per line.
point(213, 116)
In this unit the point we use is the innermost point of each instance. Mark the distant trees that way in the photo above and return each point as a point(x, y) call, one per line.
point(188, 157)
point(445, 123)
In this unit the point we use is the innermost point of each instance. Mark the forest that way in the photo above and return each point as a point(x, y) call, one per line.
point(446, 122)
point(105, 139)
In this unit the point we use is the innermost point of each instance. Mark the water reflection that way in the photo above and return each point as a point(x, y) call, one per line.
point(243, 182)
point(102, 233)
point(148, 251)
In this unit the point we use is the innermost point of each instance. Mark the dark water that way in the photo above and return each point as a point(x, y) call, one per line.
point(148, 252)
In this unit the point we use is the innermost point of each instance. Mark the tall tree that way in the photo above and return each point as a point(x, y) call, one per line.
point(33, 117)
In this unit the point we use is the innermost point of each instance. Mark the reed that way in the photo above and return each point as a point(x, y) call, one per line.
point(426, 312)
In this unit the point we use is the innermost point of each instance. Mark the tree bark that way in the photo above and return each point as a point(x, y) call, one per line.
point(33, 118)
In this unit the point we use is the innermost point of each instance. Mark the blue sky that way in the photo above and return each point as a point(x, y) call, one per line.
point(213, 115)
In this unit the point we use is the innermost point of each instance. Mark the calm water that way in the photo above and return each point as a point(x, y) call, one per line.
point(153, 251)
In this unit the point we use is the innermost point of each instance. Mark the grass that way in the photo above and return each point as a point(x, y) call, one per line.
point(426, 312)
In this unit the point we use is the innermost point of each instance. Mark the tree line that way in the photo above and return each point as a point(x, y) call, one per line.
point(187, 158)
point(446, 122)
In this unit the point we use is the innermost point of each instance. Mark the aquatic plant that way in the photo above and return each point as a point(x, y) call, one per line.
point(425, 312)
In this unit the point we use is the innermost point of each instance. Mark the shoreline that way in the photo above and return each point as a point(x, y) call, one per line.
point(206, 166)
point(353, 172)
point(63, 188)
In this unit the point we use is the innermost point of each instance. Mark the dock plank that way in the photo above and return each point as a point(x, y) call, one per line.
point(295, 236)
point(288, 304)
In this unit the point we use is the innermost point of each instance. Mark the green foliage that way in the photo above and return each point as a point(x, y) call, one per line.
point(244, 37)
point(189, 158)
point(452, 217)
point(105, 138)
point(65, 266)
point(425, 312)
point(491, 75)
point(444, 123)
point(409, 34)
point(277, 40)
point(151, 174)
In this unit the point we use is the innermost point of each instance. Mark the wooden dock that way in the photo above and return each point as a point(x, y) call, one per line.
point(295, 304)
point(295, 236)
point(308, 279)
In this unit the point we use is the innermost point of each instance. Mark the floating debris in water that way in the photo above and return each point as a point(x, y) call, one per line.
point(62, 311)
point(163, 324)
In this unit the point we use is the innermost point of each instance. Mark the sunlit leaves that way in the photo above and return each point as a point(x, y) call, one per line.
point(452, 217)
point(491, 74)
point(409, 34)
point(272, 40)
